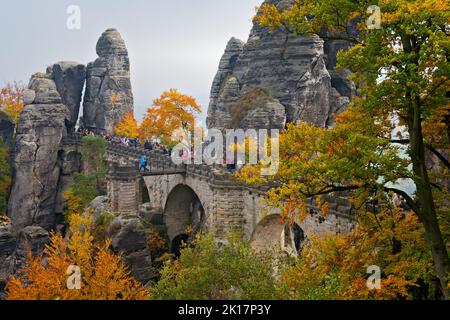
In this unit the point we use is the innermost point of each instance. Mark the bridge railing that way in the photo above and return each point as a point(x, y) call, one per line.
point(159, 162)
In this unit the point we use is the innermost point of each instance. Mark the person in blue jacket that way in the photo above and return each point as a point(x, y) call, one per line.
point(143, 163)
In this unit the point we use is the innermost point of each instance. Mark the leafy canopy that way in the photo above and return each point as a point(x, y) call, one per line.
point(172, 111)
point(127, 127)
point(11, 100)
point(206, 271)
point(103, 274)
point(402, 73)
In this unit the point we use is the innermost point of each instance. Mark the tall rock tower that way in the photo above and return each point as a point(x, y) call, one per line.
point(108, 97)
point(277, 77)
point(38, 165)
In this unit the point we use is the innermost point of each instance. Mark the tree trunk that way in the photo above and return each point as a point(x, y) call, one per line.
point(427, 210)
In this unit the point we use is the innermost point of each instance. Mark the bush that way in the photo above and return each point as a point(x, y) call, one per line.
point(82, 191)
point(206, 271)
point(103, 274)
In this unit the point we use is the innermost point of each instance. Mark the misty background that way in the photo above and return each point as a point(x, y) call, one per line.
point(171, 43)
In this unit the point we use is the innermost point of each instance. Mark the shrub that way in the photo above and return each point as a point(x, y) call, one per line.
point(103, 274)
point(207, 271)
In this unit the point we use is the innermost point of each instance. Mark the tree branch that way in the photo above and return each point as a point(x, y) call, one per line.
point(439, 155)
point(430, 148)
point(411, 203)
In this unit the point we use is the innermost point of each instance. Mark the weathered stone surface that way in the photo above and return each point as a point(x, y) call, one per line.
point(99, 205)
point(70, 162)
point(271, 116)
point(69, 78)
point(35, 168)
point(225, 89)
point(108, 97)
point(8, 244)
point(257, 109)
point(44, 88)
point(297, 71)
point(127, 235)
point(6, 128)
point(33, 238)
point(140, 265)
point(14, 249)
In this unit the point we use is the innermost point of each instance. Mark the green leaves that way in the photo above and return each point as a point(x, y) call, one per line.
point(206, 270)
point(93, 150)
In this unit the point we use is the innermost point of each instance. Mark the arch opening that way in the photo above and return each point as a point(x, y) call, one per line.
point(183, 215)
point(145, 194)
point(271, 234)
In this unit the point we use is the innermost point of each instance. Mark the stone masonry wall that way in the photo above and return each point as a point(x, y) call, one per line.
point(228, 207)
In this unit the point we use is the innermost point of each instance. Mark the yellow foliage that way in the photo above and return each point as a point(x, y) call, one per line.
point(11, 100)
point(155, 241)
point(335, 266)
point(74, 203)
point(127, 127)
point(171, 112)
point(103, 275)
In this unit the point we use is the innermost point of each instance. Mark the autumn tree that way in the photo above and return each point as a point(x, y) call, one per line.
point(205, 271)
point(402, 72)
point(127, 127)
point(11, 100)
point(335, 266)
point(171, 112)
point(103, 274)
point(80, 193)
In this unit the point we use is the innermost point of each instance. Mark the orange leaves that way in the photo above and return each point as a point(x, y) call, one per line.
point(172, 111)
point(127, 127)
point(103, 275)
point(335, 266)
point(11, 100)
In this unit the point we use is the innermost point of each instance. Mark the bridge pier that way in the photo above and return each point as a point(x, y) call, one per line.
point(124, 185)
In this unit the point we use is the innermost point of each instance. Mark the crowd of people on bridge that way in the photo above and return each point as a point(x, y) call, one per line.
point(130, 142)
point(147, 145)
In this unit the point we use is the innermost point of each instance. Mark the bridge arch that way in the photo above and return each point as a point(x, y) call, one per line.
point(271, 234)
point(183, 210)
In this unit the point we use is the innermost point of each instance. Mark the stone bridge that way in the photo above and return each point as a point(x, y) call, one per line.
point(207, 198)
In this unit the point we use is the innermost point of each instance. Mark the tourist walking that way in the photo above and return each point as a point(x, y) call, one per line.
point(143, 163)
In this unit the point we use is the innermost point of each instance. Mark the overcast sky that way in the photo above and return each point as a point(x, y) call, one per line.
point(172, 43)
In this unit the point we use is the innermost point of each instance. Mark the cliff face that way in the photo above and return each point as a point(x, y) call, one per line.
point(108, 97)
point(41, 169)
point(298, 72)
point(36, 168)
point(69, 79)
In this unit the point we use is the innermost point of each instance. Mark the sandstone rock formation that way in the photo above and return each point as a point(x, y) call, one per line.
point(36, 172)
point(128, 237)
point(8, 244)
point(298, 72)
point(108, 97)
point(69, 78)
point(14, 248)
